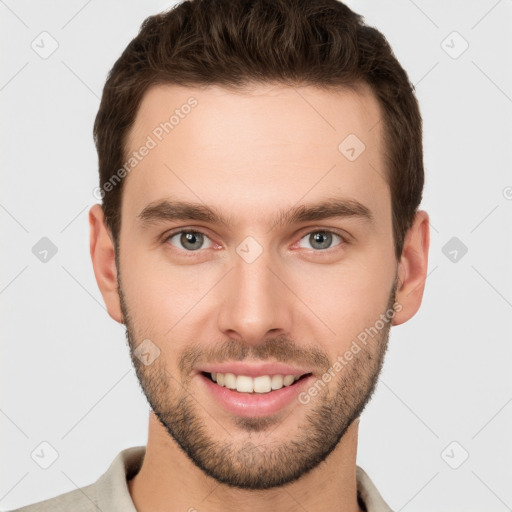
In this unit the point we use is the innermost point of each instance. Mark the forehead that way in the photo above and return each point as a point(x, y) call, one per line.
point(265, 111)
point(267, 145)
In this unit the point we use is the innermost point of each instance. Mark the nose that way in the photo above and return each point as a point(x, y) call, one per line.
point(256, 301)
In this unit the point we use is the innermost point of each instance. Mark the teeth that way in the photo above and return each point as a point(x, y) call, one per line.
point(244, 384)
point(260, 384)
point(230, 380)
point(277, 381)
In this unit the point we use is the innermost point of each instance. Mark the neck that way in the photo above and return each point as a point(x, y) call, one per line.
point(170, 482)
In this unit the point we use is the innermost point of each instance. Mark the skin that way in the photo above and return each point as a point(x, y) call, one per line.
point(249, 155)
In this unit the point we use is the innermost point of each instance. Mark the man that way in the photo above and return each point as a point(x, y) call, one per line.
point(261, 170)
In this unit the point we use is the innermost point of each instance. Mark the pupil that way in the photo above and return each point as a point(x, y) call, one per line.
point(317, 237)
point(191, 238)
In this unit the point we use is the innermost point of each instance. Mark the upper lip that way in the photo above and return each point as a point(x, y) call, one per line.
point(253, 369)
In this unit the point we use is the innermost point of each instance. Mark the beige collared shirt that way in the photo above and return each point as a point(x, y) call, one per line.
point(110, 492)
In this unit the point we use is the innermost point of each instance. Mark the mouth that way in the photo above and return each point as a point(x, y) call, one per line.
point(254, 385)
point(253, 396)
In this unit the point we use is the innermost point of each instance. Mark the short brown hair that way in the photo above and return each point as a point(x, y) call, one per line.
point(233, 43)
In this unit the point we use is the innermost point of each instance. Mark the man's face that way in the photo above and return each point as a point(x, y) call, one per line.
point(256, 290)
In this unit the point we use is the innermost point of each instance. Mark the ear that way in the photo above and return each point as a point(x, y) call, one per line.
point(103, 261)
point(412, 270)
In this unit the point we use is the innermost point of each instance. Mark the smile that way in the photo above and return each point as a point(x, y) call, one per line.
point(259, 384)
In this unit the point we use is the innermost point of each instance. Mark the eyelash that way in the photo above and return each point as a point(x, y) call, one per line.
point(344, 240)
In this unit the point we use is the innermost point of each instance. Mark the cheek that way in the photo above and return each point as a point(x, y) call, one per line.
point(160, 295)
point(350, 298)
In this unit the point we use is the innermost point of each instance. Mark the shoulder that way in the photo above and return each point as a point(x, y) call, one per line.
point(369, 494)
point(109, 492)
point(78, 500)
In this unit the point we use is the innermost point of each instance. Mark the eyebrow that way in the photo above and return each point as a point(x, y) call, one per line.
point(169, 210)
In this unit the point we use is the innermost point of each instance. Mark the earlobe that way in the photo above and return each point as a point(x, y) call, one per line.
point(412, 271)
point(103, 261)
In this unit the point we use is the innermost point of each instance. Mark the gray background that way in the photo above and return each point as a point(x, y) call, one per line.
point(66, 377)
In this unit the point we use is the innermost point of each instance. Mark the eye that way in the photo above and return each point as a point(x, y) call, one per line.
point(189, 240)
point(321, 240)
point(193, 241)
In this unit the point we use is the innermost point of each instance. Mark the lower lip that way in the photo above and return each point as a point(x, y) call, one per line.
point(254, 404)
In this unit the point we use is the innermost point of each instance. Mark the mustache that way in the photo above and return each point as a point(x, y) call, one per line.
point(278, 349)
